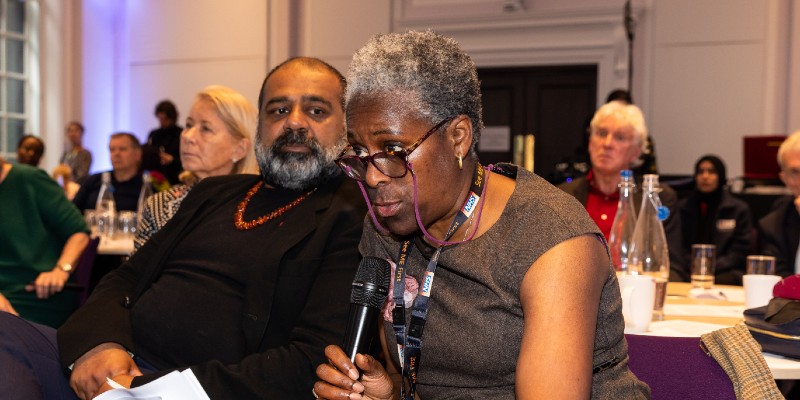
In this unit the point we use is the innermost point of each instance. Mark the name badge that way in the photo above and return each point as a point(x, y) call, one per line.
point(726, 224)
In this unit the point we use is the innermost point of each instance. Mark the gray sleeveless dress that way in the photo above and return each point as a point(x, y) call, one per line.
point(475, 322)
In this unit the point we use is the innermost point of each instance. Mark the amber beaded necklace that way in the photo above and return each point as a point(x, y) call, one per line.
point(242, 225)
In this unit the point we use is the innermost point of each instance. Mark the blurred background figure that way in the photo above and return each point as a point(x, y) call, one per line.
point(617, 137)
point(162, 151)
point(711, 215)
point(63, 175)
point(42, 235)
point(779, 231)
point(30, 150)
point(126, 176)
point(77, 158)
point(217, 140)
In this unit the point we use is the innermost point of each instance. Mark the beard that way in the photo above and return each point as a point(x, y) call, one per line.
point(293, 170)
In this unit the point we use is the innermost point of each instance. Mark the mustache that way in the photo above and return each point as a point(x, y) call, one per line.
point(296, 137)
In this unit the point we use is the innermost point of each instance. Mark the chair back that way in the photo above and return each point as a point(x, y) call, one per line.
point(677, 368)
point(83, 270)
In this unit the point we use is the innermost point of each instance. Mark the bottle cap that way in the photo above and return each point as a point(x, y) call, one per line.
point(626, 173)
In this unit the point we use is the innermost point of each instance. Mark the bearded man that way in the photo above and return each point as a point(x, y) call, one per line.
point(251, 278)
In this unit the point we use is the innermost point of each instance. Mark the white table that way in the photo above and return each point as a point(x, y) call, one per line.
point(688, 316)
point(115, 246)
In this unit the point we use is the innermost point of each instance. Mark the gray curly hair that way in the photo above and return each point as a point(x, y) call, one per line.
point(441, 76)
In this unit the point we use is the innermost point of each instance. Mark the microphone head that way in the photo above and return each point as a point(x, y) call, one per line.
point(371, 284)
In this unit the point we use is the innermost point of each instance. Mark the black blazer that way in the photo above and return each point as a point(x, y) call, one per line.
point(733, 234)
point(299, 305)
point(779, 235)
point(678, 270)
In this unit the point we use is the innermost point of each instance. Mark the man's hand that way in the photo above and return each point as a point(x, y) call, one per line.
point(124, 380)
point(165, 157)
point(91, 369)
point(5, 305)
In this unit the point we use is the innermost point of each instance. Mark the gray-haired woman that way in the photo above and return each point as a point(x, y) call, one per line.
point(525, 303)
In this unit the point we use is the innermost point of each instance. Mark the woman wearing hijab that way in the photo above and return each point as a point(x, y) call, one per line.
point(711, 215)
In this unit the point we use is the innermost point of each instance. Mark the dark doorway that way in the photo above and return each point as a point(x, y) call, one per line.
point(554, 103)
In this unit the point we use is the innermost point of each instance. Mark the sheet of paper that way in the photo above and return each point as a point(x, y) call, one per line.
point(173, 386)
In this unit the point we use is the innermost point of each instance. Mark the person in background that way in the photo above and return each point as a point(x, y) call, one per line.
point(30, 149)
point(217, 140)
point(711, 215)
point(77, 158)
point(42, 235)
point(617, 138)
point(63, 175)
point(162, 150)
point(126, 176)
point(779, 231)
point(646, 163)
point(525, 303)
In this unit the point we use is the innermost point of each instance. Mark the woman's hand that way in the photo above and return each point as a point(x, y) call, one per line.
point(49, 283)
point(339, 378)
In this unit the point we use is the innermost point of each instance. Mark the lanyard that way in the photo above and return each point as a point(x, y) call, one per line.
point(409, 343)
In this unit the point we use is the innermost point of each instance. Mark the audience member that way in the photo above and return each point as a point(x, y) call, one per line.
point(77, 158)
point(42, 235)
point(618, 134)
point(162, 151)
point(63, 175)
point(217, 140)
point(646, 163)
point(414, 121)
point(779, 231)
point(709, 214)
point(126, 176)
point(249, 280)
point(30, 149)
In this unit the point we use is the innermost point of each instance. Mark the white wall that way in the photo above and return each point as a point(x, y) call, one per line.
point(706, 72)
point(718, 74)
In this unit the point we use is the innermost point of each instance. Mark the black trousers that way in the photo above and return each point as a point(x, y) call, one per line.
point(29, 361)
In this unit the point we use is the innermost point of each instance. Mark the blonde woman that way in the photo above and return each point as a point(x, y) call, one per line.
point(217, 140)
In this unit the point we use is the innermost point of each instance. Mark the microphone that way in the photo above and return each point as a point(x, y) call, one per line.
point(370, 288)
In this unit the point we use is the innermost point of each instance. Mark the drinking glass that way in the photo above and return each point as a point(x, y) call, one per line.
point(90, 217)
point(760, 265)
point(126, 224)
point(704, 260)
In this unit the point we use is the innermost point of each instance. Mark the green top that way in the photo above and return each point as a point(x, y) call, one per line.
point(36, 219)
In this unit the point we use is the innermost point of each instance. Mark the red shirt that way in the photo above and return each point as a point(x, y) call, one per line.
point(600, 206)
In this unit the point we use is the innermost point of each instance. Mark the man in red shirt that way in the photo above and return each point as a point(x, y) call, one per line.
point(617, 137)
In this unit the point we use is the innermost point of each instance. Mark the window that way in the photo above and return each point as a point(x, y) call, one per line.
point(17, 58)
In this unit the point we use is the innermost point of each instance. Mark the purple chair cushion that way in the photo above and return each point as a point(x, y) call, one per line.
point(677, 368)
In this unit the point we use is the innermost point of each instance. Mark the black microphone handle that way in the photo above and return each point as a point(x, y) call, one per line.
point(361, 326)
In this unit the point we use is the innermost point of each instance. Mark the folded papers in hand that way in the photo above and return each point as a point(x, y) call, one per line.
point(173, 386)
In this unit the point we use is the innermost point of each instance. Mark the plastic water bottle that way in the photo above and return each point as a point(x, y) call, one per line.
point(106, 208)
point(144, 193)
point(649, 254)
point(624, 223)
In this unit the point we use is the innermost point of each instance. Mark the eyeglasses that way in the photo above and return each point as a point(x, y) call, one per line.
point(393, 164)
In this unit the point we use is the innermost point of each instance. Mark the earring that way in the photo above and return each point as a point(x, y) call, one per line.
point(234, 160)
point(460, 163)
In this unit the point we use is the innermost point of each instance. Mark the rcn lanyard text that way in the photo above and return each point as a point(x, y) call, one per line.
point(409, 345)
